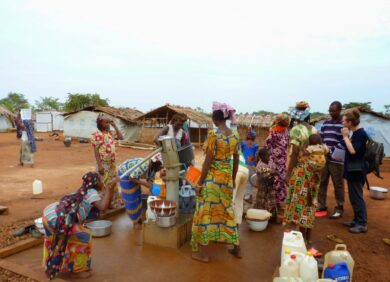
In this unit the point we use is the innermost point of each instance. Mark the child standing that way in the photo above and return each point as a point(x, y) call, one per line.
point(249, 148)
point(266, 194)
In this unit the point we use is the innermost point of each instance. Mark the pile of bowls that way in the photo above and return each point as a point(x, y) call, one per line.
point(378, 193)
point(165, 212)
point(257, 219)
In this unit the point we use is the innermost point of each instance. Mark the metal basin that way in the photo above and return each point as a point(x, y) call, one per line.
point(378, 193)
point(100, 228)
point(166, 221)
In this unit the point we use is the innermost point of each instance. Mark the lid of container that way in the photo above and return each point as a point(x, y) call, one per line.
point(287, 251)
point(293, 256)
point(309, 254)
point(331, 266)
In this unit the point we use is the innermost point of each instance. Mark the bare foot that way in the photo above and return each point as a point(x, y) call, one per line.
point(81, 275)
point(200, 257)
point(236, 252)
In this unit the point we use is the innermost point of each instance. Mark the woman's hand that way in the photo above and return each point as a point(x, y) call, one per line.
point(198, 189)
point(345, 132)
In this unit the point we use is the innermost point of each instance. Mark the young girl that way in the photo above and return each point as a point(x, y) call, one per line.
point(266, 194)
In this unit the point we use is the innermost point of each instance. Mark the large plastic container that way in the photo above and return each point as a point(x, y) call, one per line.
point(288, 253)
point(339, 254)
point(37, 187)
point(186, 154)
point(290, 268)
point(338, 272)
point(149, 214)
point(308, 268)
point(293, 241)
point(187, 199)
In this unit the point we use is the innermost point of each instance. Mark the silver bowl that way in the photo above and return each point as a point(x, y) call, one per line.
point(378, 193)
point(166, 221)
point(100, 228)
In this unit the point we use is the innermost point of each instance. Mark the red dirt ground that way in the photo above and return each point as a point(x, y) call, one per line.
point(61, 168)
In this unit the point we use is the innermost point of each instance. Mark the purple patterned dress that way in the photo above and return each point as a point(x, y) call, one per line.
point(277, 144)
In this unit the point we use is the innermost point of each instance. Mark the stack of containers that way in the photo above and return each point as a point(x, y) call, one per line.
point(296, 263)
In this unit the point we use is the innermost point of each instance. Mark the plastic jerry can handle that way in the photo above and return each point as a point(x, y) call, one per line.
point(340, 247)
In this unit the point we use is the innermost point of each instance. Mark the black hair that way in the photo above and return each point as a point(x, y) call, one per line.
point(218, 116)
point(337, 104)
point(99, 122)
point(262, 153)
point(315, 139)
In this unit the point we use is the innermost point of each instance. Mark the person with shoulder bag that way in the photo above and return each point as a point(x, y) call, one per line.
point(355, 169)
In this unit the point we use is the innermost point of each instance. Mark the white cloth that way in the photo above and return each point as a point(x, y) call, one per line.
point(179, 134)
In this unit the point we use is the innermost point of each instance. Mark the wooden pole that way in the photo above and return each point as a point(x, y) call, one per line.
point(200, 146)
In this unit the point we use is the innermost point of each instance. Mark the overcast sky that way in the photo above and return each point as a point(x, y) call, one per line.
point(255, 55)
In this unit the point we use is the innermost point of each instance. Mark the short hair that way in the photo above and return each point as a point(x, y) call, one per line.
point(262, 153)
point(337, 104)
point(219, 116)
point(315, 139)
point(179, 117)
point(353, 115)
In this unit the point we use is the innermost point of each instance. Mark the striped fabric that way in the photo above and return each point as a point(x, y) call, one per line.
point(131, 191)
point(85, 207)
point(331, 136)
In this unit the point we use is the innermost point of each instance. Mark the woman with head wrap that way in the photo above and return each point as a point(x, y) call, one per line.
point(27, 145)
point(131, 185)
point(67, 246)
point(277, 144)
point(103, 141)
point(303, 178)
point(214, 218)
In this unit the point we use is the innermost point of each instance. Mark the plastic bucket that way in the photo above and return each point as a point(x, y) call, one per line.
point(193, 175)
point(186, 154)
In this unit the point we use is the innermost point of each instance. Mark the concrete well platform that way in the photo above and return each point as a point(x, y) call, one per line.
point(117, 258)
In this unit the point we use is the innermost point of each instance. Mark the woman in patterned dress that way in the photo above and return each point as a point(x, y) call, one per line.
point(131, 185)
point(277, 144)
point(67, 245)
point(214, 218)
point(103, 141)
point(303, 178)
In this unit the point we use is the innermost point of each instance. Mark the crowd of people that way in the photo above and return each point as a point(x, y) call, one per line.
point(292, 169)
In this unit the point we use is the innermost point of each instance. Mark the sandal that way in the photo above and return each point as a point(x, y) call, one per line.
point(315, 253)
point(386, 241)
point(335, 239)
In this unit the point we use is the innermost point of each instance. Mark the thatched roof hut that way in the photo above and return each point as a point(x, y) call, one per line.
point(259, 123)
point(82, 123)
point(153, 121)
point(6, 119)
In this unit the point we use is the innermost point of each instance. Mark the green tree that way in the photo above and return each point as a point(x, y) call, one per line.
point(387, 110)
point(364, 105)
point(315, 115)
point(48, 103)
point(263, 113)
point(75, 102)
point(14, 101)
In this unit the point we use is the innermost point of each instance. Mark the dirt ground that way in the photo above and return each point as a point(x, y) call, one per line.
point(61, 169)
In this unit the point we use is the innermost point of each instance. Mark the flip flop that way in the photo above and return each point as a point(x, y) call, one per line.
point(386, 241)
point(335, 239)
point(321, 214)
point(315, 253)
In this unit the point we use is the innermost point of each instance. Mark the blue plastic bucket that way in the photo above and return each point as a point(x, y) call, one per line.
point(156, 190)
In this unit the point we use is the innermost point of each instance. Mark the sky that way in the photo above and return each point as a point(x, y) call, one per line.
point(254, 55)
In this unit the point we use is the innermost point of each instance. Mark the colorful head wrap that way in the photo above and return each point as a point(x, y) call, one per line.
point(282, 119)
point(228, 111)
point(301, 111)
point(157, 158)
